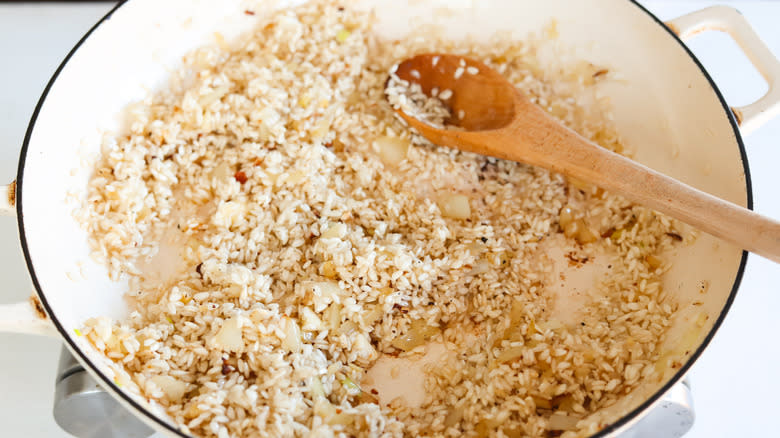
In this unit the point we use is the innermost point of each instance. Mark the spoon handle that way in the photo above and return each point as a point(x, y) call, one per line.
point(738, 225)
point(537, 139)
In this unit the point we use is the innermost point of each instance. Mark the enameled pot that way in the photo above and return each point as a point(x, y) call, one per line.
point(666, 108)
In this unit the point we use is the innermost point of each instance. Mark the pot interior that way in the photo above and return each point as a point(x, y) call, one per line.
point(665, 108)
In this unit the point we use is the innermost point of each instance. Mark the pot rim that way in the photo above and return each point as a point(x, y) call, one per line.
point(624, 421)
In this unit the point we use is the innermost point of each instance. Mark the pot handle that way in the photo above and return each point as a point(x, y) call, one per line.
point(8, 199)
point(26, 317)
point(729, 20)
point(29, 316)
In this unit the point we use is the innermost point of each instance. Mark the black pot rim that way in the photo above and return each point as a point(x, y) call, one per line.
point(623, 421)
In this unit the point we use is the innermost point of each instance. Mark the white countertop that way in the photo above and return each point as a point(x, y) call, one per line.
point(736, 385)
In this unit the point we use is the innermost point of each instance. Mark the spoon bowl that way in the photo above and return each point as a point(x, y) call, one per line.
point(498, 120)
point(480, 94)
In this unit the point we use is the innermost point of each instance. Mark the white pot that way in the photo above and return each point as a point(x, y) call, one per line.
point(668, 109)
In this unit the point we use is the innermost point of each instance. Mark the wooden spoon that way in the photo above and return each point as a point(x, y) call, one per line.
point(499, 121)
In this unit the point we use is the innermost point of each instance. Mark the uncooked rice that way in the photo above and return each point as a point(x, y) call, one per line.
point(281, 230)
point(410, 99)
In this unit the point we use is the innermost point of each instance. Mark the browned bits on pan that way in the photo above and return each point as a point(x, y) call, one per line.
point(575, 259)
point(38, 307)
point(199, 269)
point(601, 72)
point(675, 236)
point(226, 367)
point(12, 193)
point(399, 308)
point(337, 145)
point(737, 115)
point(248, 12)
point(240, 177)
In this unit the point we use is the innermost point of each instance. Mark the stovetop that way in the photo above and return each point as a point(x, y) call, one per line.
point(735, 382)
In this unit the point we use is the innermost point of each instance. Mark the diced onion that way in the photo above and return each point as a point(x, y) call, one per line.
point(499, 259)
point(328, 269)
point(392, 150)
point(480, 267)
point(486, 427)
point(294, 177)
point(347, 328)
point(419, 333)
point(343, 419)
point(654, 261)
point(329, 413)
point(561, 421)
point(510, 354)
point(515, 432)
point(351, 387)
point(229, 335)
point(337, 230)
point(223, 170)
point(315, 387)
point(517, 312)
point(553, 324)
point(321, 129)
point(173, 389)
point(373, 315)
point(291, 340)
point(329, 288)
point(310, 320)
point(575, 228)
point(213, 95)
point(325, 292)
point(455, 206)
point(566, 218)
point(585, 234)
point(324, 408)
point(453, 417)
point(333, 316)
point(542, 402)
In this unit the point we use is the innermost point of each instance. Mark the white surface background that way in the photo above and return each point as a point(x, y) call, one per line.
point(736, 385)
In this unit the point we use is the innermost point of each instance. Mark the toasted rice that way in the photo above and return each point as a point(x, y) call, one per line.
point(296, 256)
